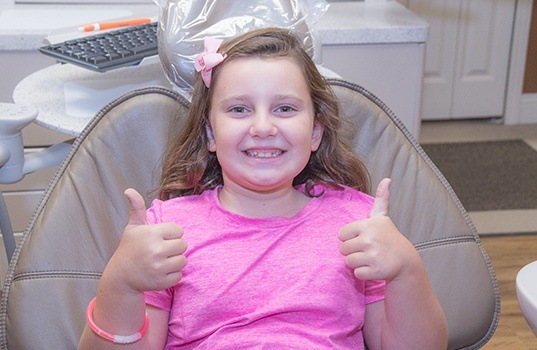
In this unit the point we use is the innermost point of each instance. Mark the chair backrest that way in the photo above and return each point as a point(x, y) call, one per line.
point(76, 228)
point(425, 208)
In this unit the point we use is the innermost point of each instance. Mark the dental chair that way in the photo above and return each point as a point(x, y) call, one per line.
point(56, 267)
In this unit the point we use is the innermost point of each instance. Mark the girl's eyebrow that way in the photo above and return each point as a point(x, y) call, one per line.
point(243, 98)
point(289, 96)
point(232, 99)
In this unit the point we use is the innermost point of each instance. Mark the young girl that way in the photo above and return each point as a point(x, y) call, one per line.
point(285, 251)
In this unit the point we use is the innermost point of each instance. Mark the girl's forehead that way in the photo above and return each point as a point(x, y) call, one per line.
point(273, 71)
point(249, 68)
point(262, 60)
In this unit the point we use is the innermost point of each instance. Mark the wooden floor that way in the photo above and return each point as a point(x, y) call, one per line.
point(508, 255)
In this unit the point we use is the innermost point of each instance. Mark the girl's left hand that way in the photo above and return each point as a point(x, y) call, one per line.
point(374, 248)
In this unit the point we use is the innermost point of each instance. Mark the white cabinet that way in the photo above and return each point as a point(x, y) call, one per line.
point(393, 72)
point(467, 56)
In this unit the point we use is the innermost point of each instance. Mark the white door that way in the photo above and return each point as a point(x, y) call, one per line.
point(482, 58)
point(467, 56)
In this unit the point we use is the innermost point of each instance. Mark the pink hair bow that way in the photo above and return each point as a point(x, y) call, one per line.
point(208, 59)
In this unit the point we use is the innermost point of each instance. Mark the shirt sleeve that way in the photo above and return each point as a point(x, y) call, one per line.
point(160, 299)
point(374, 291)
point(153, 213)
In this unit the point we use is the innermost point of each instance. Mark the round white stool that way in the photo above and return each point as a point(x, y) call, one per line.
point(526, 291)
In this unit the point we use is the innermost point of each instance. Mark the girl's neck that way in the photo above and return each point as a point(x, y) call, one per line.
point(283, 203)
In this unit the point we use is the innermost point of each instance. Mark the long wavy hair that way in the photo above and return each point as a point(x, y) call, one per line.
point(190, 168)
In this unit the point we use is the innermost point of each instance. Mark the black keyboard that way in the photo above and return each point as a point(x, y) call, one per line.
point(108, 50)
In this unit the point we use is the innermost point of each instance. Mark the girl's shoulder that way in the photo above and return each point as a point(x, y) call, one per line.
point(346, 194)
point(186, 206)
point(347, 200)
point(184, 200)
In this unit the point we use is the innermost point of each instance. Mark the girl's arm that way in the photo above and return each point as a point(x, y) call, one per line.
point(410, 317)
point(149, 257)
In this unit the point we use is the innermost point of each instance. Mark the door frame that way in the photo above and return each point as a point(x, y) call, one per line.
point(520, 108)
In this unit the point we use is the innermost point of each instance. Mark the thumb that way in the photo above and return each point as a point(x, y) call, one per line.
point(137, 210)
point(382, 199)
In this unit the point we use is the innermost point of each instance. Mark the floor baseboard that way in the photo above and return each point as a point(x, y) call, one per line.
point(502, 222)
point(528, 109)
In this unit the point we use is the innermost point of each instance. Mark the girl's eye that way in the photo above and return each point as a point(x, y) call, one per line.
point(285, 109)
point(238, 110)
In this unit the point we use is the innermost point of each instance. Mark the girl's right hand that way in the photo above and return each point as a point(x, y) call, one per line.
point(149, 257)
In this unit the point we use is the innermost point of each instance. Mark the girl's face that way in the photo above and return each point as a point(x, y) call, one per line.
point(262, 123)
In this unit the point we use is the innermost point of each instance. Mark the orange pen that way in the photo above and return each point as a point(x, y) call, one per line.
point(110, 25)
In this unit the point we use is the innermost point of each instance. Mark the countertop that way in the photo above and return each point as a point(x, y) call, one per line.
point(25, 27)
point(371, 22)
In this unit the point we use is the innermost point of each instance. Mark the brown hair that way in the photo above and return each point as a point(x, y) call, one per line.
point(189, 167)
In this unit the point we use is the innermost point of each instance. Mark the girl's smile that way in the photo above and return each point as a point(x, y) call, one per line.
point(263, 153)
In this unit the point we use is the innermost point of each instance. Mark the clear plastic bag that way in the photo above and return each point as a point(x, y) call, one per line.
point(184, 24)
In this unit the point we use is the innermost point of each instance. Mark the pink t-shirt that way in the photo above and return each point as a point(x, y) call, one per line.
point(265, 283)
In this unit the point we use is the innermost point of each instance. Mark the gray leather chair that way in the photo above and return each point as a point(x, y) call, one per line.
point(56, 267)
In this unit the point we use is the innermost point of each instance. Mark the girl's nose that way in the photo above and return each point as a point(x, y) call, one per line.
point(263, 125)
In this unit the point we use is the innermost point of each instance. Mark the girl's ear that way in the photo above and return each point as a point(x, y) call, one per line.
point(316, 136)
point(211, 145)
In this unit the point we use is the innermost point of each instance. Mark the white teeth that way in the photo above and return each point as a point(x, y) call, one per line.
point(264, 154)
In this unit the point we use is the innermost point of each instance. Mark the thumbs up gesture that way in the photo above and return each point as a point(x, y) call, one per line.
point(149, 257)
point(374, 248)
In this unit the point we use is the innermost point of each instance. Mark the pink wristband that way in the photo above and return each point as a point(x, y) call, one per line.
point(117, 339)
